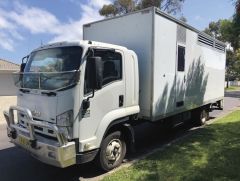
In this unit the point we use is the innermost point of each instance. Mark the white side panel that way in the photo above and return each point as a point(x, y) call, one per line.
point(196, 73)
point(204, 72)
point(134, 32)
point(215, 72)
point(132, 84)
point(164, 66)
point(195, 84)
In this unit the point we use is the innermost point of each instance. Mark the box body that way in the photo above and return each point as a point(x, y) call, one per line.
point(180, 68)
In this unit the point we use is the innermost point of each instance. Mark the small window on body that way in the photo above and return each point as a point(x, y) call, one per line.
point(181, 58)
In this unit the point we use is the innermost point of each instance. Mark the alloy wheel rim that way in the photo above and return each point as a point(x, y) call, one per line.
point(113, 151)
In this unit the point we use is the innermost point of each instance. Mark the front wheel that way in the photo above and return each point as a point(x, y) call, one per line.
point(112, 152)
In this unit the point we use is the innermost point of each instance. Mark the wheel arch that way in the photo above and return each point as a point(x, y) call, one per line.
point(117, 119)
point(126, 129)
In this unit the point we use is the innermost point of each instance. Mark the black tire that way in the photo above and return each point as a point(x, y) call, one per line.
point(112, 151)
point(220, 105)
point(201, 117)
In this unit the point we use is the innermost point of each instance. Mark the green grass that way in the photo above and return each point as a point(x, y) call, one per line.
point(232, 88)
point(211, 153)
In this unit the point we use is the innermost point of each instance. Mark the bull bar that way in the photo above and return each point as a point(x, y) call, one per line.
point(64, 151)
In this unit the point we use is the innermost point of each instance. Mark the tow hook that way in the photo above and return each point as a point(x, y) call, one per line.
point(12, 134)
point(33, 143)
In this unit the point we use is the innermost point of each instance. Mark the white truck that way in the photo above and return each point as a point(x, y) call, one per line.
point(77, 100)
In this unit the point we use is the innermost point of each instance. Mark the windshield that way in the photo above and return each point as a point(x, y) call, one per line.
point(55, 60)
point(51, 69)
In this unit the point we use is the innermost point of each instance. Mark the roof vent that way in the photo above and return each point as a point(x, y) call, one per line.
point(205, 40)
point(220, 47)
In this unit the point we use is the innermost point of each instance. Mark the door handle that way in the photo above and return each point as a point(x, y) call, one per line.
point(121, 100)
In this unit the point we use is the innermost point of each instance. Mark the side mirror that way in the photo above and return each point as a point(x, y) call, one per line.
point(22, 67)
point(95, 72)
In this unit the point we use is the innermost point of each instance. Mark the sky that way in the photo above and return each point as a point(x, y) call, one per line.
point(26, 24)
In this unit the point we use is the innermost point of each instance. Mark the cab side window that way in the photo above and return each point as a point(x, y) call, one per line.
point(112, 67)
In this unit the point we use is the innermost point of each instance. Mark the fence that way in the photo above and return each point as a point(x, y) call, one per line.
point(233, 83)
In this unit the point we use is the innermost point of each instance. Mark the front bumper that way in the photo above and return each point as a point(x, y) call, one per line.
point(59, 153)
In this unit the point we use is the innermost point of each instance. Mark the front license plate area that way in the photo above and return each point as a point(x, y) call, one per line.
point(24, 141)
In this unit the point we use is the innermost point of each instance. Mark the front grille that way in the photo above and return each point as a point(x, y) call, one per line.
point(35, 119)
point(50, 131)
point(46, 136)
point(40, 130)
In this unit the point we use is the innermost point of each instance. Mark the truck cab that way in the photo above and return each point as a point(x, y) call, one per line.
point(74, 103)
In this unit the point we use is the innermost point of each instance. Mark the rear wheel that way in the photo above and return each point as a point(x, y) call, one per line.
point(201, 116)
point(112, 152)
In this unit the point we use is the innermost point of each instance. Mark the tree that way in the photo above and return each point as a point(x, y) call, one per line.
point(183, 19)
point(108, 10)
point(149, 3)
point(237, 6)
point(237, 64)
point(120, 7)
point(229, 66)
point(227, 30)
point(117, 8)
point(236, 25)
point(224, 30)
point(214, 29)
point(221, 30)
point(171, 6)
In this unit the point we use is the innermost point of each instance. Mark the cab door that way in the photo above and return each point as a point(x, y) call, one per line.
point(110, 97)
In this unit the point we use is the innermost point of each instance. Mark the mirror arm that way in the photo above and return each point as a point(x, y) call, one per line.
point(86, 102)
point(26, 57)
point(93, 93)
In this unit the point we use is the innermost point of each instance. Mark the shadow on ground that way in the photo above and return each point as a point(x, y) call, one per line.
point(18, 165)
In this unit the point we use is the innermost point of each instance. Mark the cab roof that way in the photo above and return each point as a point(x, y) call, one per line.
point(82, 43)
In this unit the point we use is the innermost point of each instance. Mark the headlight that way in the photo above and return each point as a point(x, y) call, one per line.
point(65, 119)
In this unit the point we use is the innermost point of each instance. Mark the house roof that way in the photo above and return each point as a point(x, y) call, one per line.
point(7, 65)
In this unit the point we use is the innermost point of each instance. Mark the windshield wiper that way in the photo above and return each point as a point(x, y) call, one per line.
point(49, 93)
point(24, 90)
